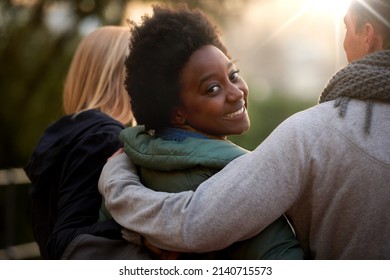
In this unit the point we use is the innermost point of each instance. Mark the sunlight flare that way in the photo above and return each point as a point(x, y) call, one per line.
point(335, 7)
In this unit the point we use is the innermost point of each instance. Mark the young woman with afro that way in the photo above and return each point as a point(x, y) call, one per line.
point(187, 97)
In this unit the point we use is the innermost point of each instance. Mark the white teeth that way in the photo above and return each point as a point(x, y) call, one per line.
point(236, 113)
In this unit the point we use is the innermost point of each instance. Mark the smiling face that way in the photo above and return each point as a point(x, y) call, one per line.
point(214, 97)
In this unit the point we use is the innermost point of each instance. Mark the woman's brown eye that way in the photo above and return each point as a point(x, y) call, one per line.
point(213, 89)
point(234, 75)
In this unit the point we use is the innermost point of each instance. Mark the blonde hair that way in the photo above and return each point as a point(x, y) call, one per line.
point(96, 75)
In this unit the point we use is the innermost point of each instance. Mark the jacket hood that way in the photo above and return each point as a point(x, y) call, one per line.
point(166, 155)
point(60, 135)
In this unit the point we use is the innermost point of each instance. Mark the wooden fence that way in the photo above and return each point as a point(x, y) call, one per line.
point(10, 179)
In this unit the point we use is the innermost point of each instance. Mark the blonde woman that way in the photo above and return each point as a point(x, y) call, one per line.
point(65, 166)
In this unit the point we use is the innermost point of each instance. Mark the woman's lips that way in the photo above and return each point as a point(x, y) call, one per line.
point(236, 113)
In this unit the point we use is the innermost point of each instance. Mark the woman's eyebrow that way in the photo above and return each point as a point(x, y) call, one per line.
point(204, 78)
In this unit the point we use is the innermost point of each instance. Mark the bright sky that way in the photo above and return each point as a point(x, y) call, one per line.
point(292, 45)
point(327, 6)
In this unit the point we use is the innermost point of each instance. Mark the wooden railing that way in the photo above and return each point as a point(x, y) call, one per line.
point(11, 179)
point(14, 176)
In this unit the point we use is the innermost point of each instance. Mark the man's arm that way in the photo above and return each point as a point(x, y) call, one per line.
point(236, 203)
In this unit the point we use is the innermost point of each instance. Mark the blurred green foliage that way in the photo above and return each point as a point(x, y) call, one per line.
point(266, 115)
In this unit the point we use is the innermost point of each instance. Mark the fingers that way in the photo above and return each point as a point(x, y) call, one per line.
point(162, 254)
point(121, 150)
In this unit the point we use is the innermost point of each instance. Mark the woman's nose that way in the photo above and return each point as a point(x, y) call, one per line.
point(235, 93)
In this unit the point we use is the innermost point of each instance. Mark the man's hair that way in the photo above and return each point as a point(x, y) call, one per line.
point(376, 12)
point(96, 75)
point(160, 47)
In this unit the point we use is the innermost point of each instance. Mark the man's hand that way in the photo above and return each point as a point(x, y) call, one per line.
point(162, 254)
point(121, 150)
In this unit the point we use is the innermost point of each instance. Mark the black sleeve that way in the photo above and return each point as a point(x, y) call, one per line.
point(79, 200)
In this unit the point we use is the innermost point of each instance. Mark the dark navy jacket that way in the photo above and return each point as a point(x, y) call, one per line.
point(64, 170)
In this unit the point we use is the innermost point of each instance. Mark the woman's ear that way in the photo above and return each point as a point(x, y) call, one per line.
point(177, 117)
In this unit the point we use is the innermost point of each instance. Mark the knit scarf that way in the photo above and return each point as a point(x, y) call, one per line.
point(367, 79)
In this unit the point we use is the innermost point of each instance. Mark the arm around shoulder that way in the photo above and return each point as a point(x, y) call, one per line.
point(136, 207)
